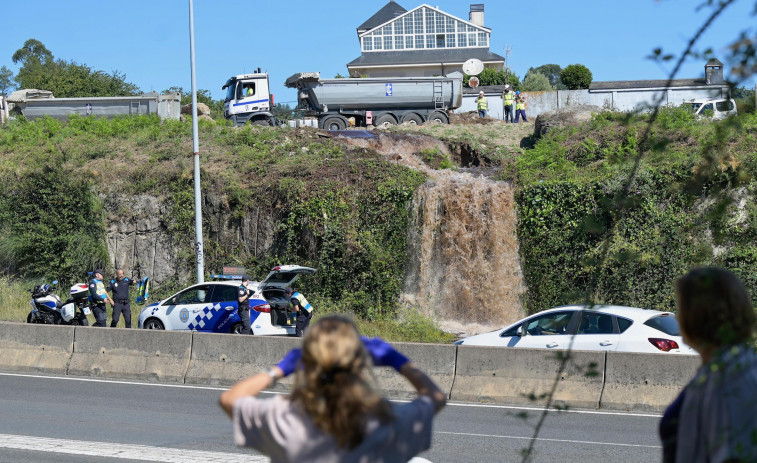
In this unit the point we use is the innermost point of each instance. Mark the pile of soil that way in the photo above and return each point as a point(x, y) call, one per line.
point(471, 117)
point(564, 117)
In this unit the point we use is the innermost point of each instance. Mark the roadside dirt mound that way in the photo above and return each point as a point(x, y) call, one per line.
point(471, 117)
point(566, 117)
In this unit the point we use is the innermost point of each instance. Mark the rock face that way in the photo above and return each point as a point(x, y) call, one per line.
point(138, 236)
point(565, 117)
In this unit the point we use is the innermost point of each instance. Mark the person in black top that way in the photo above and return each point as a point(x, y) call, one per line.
point(244, 305)
point(120, 290)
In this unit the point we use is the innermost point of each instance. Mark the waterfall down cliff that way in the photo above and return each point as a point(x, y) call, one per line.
point(464, 268)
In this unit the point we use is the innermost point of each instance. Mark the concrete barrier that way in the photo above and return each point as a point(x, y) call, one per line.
point(35, 348)
point(497, 375)
point(160, 356)
point(645, 381)
point(223, 359)
point(436, 360)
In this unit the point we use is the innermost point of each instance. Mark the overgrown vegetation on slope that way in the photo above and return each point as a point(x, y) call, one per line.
point(691, 203)
point(344, 213)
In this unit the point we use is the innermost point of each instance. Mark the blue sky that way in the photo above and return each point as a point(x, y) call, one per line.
point(148, 41)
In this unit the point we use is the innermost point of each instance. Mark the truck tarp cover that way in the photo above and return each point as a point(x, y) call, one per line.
point(20, 96)
point(294, 81)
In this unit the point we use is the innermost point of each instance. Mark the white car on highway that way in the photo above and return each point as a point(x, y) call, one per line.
point(598, 328)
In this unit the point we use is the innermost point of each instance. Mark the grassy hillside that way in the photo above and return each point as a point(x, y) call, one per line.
point(344, 213)
point(690, 201)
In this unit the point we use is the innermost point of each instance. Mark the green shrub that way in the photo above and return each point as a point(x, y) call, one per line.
point(576, 76)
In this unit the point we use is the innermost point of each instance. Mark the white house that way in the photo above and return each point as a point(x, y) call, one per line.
point(424, 41)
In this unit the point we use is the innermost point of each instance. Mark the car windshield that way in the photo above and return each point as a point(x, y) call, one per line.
point(665, 323)
point(230, 92)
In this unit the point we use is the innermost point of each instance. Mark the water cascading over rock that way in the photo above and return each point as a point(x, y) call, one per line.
point(464, 266)
point(464, 252)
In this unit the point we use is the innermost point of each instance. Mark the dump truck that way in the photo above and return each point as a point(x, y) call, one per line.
point(35, 103)
point(338, 103)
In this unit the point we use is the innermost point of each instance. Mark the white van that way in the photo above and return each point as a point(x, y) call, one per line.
point(712, 108)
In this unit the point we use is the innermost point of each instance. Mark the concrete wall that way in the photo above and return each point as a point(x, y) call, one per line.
point(605, 380)
point(501, 375)
point(618, 100)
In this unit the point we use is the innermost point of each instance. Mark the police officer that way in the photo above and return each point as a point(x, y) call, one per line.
point(300, 306)
point(244, 305)
point(120, 289)
point(99, 297)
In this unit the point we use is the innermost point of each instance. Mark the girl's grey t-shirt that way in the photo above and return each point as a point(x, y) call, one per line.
point(281, 430)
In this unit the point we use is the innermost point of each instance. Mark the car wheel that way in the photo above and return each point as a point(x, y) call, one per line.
point(153, 324)
point(236, 328)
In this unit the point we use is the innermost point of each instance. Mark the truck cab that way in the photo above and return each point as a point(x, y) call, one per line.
point(713, 108)
point(248, 99)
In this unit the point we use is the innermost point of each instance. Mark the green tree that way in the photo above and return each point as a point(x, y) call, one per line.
point(552, 73)
point(6, 80)
point(39, 69)
point(32, 51)
point(576, 77)
point(536, 82)
point(491, 76)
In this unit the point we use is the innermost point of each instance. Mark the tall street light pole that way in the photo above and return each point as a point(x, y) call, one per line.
point(196, 150)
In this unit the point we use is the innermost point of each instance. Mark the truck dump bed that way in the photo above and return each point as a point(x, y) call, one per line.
point(418, 93)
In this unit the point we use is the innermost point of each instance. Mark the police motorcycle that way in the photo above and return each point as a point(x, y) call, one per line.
point(47, 307)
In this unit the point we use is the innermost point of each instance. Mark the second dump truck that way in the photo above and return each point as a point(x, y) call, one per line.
point(339, 103)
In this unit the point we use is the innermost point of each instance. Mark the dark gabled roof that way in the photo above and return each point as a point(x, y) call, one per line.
point(441, 55)
point(714, 62)
point(390, 11)
point(663, 83)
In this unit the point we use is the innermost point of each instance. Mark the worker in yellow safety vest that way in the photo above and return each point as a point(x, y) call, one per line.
point(520, 106)
point(482, 104)
point(508, 100)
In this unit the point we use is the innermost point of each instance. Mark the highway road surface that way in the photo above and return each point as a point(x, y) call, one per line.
point(67, 419)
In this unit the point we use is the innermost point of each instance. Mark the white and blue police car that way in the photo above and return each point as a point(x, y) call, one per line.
point(212, 306)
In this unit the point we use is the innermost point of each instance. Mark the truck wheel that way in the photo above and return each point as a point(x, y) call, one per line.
point(262, 122)
point(334, 123)
point(413, 119)
point(439, 117)
point(385, 120)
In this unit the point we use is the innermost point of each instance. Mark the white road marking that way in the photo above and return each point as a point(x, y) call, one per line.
point(542, 439)
point(123, 451)
point(216, 388)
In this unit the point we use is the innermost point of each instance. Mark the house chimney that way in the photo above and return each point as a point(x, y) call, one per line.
point(476, 15)
point(713, 72)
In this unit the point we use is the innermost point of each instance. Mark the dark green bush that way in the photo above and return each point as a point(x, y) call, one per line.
point(586, 233)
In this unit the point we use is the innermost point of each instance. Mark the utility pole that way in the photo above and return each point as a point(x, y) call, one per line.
point(196, 151)
point(507, 66)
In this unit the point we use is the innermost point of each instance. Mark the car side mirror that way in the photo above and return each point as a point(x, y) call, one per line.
point(520, 331)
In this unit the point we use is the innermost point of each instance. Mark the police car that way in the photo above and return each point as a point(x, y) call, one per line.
point(212, 306)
